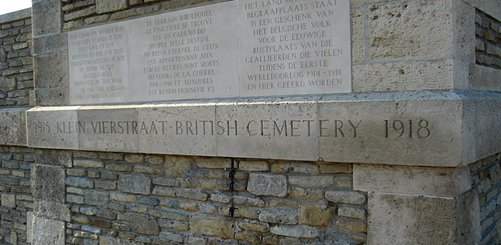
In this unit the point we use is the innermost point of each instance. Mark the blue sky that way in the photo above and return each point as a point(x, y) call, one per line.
point(7, 6)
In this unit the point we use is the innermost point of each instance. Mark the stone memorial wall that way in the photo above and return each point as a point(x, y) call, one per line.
point(251, 122)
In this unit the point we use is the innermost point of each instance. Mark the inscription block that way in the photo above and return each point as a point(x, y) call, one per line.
point(230, 49)
point(348, 128)
point(185, 54)
point(98, 64)
point(295, 47)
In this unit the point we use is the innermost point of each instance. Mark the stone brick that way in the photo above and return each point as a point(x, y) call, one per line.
point(137, 184)
point(106, 6)
point(52, 210)
point(143, 224)
point(254, 166)
point(47, 231)
point(155, 160)
point(48, 183)
point(301, 168)
point(352, 212)
point(171, 236)
point(122, 197)
point(353, 225)
point(218, 163)
point(220, 198)
point(251, 237)
point(99, 198)
point(212, 227)
point(307, 194)
point(279, 216)
point(82, 219)
point(105, 184)
point(164, 213)
point(119, 167)
point(192, 194)
point(267, 185)
point(311, 181)
point(348, 197)
point(88, 163)
point(7, 84)
point(79, 182)
point(164, 191)
point(134, 158)
point(258, 227)
point(295, 231)
point(337, 168)
point(248, 201)
point(343, 182)
point(75, 199)
point(8, 200)
point(46, 17)
point(145, 169)
point(166, 182)
point(148, 201)
point(76, 172)
point(180, 167)
point(316, 215)
point(390, 37)
point(80, 13)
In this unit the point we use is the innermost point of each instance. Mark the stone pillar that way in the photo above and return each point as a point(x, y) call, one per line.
point(419, 205)
point(50, 54)
point(48, 187)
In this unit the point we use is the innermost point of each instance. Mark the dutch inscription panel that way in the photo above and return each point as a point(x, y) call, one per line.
point(231, 49)
point(295, 47)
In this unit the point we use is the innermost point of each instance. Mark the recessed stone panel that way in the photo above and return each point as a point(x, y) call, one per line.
point(230, 49)
point(98, 64)
point(185, 54)
point(295, 47)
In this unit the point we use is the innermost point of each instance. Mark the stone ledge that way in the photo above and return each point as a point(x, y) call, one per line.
point(13, 126)
point(17, 15)
point(450, 129)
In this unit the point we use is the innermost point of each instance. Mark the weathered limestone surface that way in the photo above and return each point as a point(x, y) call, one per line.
point(446, 182)
point(400, 219)
point(47, 231)
point(12, 126)
point(349, 128)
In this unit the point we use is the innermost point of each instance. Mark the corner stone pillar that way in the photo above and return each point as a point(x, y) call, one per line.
point(419, 205)
point(48, 187)
point(50, 58)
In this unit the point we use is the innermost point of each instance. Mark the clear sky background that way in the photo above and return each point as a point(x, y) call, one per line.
point(7, 6)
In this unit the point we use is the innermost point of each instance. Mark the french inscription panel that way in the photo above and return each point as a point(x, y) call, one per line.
point(341, 131)
point(231, 49)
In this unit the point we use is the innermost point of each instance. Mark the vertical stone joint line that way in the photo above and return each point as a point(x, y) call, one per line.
point(233, 170)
